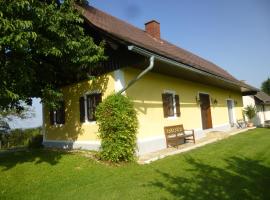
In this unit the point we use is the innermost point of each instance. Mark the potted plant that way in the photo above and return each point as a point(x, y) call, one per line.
point(250, 112)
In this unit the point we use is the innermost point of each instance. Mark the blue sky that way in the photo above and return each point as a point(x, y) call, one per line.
point(234, 34)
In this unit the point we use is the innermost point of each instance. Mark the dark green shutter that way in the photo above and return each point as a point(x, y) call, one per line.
point(51, 117)
point(177, 104)
point(98, 98)
point(82, 109)
point(89, 107)
point(165, 104)
point(62, 111)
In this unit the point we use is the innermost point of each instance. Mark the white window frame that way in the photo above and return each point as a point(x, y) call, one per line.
point(174, 104)
point(85, 106)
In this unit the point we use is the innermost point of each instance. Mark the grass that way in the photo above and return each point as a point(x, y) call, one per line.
point(234, 168)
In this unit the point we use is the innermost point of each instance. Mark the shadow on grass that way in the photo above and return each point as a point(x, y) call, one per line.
point(8, 160)
point(241, 178)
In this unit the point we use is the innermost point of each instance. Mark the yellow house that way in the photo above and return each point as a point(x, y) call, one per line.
point(168, 85)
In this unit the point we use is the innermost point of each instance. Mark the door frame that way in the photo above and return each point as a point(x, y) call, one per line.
point(210, 103)
point(233, 109)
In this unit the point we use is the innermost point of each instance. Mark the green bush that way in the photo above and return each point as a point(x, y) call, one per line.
point(118, 124)
point(18, 137)
point(36, 142)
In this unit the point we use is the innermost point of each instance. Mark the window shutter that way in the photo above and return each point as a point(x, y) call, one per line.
point(98, 98)
point(89, 106)
point(165, 104)
point(82, 110)
point(62, 111)
point(51, 117)
point(177, 104)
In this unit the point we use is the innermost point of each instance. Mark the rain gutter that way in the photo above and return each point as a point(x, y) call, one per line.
point(149, 68)
point(178, 64)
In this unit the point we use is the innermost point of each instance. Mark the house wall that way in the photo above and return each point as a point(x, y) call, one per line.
point(258, 119)
point(74, 133)
point(248, 100)
point(146, 94)
point(267, 112)
point(262, 115)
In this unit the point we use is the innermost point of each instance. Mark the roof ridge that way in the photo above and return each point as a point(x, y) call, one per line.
point(118, 19)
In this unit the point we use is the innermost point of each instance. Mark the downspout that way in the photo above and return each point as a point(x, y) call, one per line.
point(149, 68)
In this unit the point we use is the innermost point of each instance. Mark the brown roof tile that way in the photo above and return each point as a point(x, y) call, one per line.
point(263, 97)
point(139, 37)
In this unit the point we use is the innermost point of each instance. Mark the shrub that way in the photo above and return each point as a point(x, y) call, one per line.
point(36, 142)
point(250, 112)
point(118, 124)
point(18, 137)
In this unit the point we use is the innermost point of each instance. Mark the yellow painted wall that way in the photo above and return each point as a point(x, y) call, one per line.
point(146, 94)
point(73, 129)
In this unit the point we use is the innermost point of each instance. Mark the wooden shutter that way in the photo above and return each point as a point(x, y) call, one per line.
point(52, 117)
point(89, 105)
point(82, 109)
point(177, 104)
point(165, 104)
point(98, 98)
point(62, 113)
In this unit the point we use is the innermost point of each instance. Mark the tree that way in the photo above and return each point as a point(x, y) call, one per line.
point(266, 86)
point(43, 46)
point(7, 115)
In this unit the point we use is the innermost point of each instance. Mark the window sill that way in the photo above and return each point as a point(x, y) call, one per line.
point(172, 117)
point(89, 122)
point(57, 125)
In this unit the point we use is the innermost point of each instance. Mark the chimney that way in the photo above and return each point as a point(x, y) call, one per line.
point(153, 28)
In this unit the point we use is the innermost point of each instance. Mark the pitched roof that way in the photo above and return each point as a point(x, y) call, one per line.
point(131, 34)
point(265, 98)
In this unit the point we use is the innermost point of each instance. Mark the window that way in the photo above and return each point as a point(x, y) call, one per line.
point(171, 106)
point(58, 116)
point(88, 105)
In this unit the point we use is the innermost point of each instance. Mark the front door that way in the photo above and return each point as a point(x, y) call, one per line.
point(205, 111)
point(230, 106)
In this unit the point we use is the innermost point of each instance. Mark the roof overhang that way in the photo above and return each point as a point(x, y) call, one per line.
point(261, 100)
point(177, 69)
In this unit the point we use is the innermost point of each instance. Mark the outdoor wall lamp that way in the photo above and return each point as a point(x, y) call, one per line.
point(214, 101)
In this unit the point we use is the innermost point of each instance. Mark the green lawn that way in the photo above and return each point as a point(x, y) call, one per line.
point(234, 168)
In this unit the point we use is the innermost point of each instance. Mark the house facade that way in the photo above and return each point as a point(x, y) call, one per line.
point(262, 103)
point(168, 85)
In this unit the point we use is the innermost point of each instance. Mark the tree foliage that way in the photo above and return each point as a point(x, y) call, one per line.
point(22, 111)
point(43, 45)
point(9, 114)
point(118, 124)
point(266, 86)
